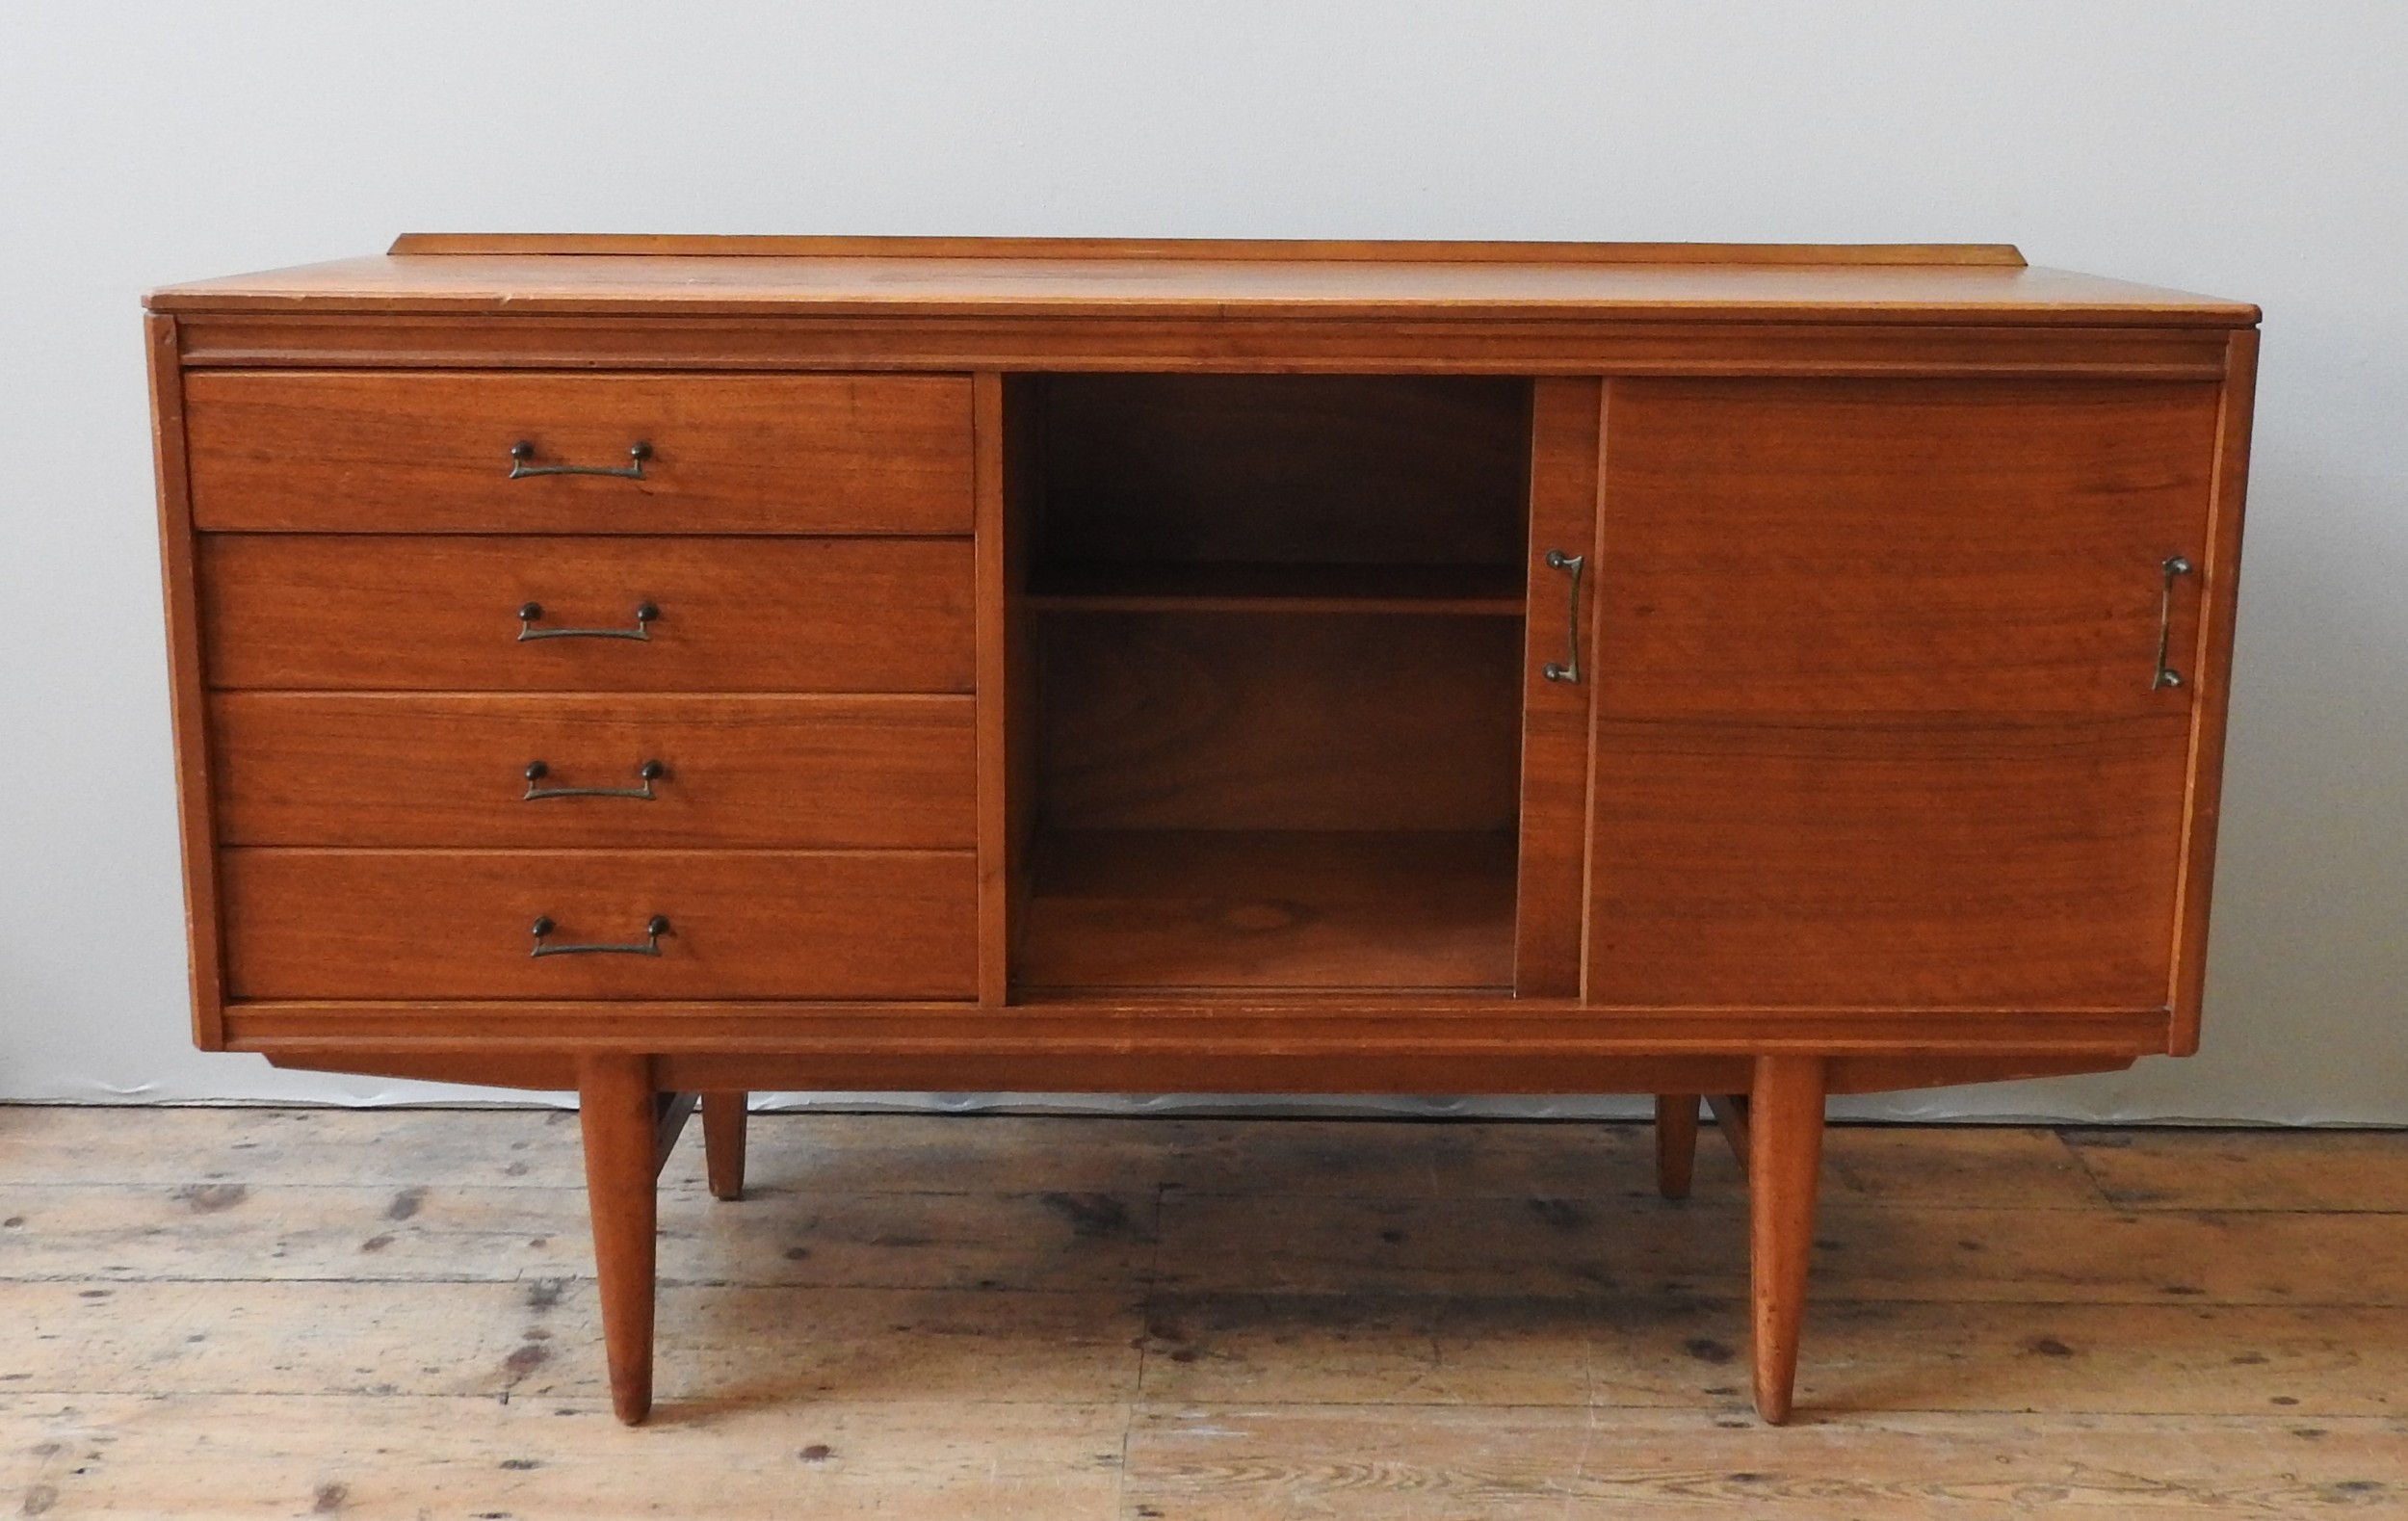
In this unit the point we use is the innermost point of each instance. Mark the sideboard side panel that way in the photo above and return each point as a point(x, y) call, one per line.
point(2211, 660)
point(185, 685)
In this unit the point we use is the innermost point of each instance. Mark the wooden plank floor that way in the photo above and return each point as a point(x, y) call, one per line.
point(390, 1314)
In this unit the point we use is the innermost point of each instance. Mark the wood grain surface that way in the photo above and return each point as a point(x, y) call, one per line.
point(1270, 587)
point(960, 1317)
point(616, 1116)
point(179, 585)
point(1090, 1040)
point(995, 579)
point(2218, 573)
point(1274, 250)
point(759, 772)
point(441, 613)
point(1131, 909)
point(726, 1123)
point(1284, 469)
point(334, 452)
point(1560, 631)
point(1778, 547)
point(1785, 1106)
point(455, 924)
point(1378, 722)
point(1139, 286)
point(1901, 864)
point(1204, 340)
point(1877, 713)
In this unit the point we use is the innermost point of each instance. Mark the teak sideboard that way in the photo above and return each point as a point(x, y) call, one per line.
point(671, 667)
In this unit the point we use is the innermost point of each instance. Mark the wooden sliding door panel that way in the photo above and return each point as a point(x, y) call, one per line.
point(1903, 866)
point(1879, 722)
point(1920, 546)
point(1558, 636)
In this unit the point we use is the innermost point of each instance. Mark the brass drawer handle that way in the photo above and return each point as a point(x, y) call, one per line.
point(529, 612)
point(1570, 670)
point(524, 450)
point(2167, 676)
point(653, 929)
point(650, 770)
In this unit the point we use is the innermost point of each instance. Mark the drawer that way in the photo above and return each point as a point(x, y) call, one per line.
point(436, 925)
point(438, 613)
point(368, 452)
point(352, 768)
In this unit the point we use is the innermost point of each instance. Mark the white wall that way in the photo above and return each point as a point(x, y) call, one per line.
point(2238, 148)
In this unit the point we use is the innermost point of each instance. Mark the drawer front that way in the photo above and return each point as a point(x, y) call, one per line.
point(371, 612)
point(349, 453)
point(435, 925)
point(348, 769)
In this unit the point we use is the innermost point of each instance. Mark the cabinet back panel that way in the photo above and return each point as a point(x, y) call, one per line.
point(1286, 469)
point(1295, 721)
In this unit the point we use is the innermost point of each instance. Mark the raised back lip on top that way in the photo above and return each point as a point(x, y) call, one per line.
point(1203, 249)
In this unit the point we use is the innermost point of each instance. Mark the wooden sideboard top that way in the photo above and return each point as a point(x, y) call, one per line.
point(1125, 278)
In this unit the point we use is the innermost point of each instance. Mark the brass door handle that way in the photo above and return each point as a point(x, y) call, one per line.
point(649, 771)
point(1570, 669)
point(524, 450)
point(529, 612)
point(650, 945)
point(2167, 676)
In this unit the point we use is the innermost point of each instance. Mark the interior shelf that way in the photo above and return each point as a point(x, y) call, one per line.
point(1255, 912)
point(1160, 587)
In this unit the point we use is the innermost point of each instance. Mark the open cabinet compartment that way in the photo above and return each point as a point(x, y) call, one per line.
point(1266, 681)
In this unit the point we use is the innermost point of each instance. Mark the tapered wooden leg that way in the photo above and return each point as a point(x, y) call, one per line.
point(621, 1124)
point(1785, 1133)
point(723, 1143)
point(1676, 1143)
point(1730, 1112)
